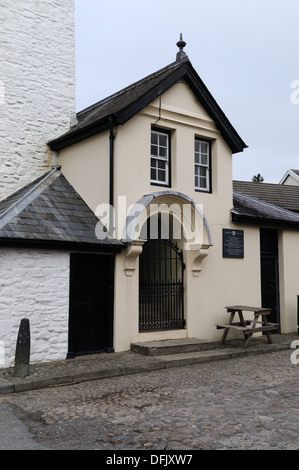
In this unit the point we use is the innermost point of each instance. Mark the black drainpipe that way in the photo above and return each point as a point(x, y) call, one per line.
point(111, 175)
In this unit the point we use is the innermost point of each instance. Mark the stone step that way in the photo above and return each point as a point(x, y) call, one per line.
point(173, 346)
point(212, 355)
point(196, 357)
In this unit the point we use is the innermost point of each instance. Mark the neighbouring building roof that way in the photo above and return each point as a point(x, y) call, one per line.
point(249, 209)
point(292, 173)
point(50, 212)
point(284, 196)
point(123, 105)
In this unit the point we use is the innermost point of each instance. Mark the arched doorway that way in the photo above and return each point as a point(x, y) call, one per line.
point(161, 286)
point(161, 263)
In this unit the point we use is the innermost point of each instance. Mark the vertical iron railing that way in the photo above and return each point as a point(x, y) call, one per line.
point(161, 286)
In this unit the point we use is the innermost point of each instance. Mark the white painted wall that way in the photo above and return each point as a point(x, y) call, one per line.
point(34, 284)
point(37, 85)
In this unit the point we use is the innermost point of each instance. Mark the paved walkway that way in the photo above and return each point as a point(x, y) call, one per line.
point(94, 367)
point(227, 397)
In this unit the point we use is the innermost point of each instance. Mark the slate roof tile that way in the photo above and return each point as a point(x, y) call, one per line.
point(280, 195)
point(250, 209)
point(50, 209)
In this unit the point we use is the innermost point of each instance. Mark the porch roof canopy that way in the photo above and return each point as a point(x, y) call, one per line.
point(49, 212)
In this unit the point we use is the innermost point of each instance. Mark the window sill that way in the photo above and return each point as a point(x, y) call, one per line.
point(160, 184)
point(206, 191)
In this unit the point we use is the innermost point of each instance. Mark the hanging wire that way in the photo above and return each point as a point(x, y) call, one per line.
point(159, 111)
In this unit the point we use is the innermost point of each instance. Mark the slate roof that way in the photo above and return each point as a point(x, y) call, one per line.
point(123, 105)
point(251, 210)
point(50, 211)
point(284, 196)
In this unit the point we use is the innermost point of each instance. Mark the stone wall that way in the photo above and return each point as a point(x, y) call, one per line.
point(34, 285)
point(37, 85)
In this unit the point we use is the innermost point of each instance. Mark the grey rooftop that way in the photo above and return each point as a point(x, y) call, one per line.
point(284, 196)
point(250, 209)
point(50, 211)
point(118, 108)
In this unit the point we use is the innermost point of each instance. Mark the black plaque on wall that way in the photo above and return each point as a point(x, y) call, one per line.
point(233, 243)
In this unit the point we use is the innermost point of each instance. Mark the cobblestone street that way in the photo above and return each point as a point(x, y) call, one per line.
point(243, 403)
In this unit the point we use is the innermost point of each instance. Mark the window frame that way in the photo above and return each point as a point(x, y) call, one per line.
point(208, 166)
point(156, 182)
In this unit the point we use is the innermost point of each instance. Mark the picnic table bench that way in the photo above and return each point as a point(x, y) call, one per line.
point(248, 327)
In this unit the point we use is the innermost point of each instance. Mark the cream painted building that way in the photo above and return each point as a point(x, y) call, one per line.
point(138, 233)
point(164, 146)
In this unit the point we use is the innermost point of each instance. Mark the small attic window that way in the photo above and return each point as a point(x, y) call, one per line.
point(160, 157)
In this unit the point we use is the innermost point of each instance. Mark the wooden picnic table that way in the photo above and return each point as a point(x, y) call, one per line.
point(248, 327)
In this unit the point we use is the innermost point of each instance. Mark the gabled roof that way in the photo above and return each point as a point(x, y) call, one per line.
point(123, 105)
point(280, 195)
point(251, 210)
point(49, 212)
point(293, 173)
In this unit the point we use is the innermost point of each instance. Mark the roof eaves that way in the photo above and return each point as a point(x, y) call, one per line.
point(105, 247)
point(262, 222)
point(79, 134)
point(169, 76)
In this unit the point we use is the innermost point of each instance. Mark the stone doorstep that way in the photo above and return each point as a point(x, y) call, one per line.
point(188, 345)
point(173, 346)
point(195, 357)
point(198, 357)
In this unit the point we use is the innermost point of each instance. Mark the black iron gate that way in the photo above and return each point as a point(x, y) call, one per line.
point(161, 286)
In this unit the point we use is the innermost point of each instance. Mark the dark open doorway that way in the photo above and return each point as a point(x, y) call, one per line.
point(270, 273)
point(91, 304)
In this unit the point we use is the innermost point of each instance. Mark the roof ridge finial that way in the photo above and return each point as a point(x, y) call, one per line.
point(181, 44)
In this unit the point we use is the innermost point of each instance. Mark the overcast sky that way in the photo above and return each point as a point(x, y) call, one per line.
point(245, 51)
